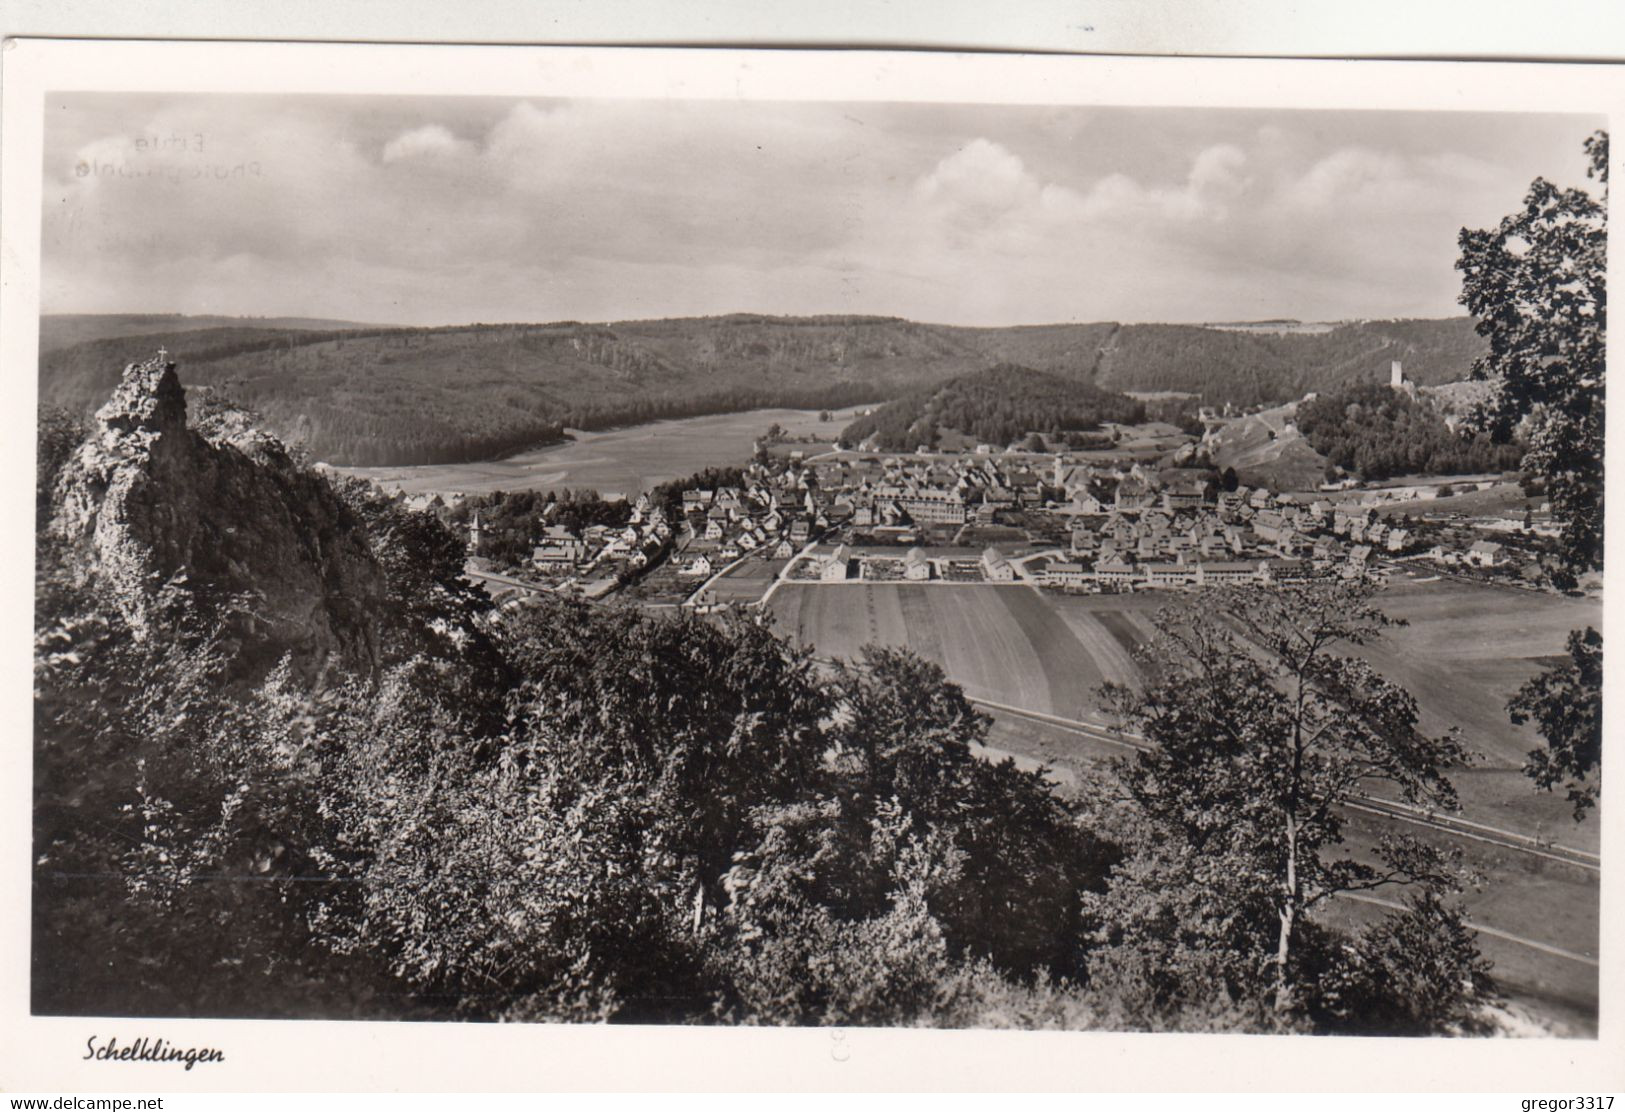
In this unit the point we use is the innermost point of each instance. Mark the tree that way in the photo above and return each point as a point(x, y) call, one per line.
point(1261, 725)
point(1565, 702)
point(1035, 442)
point(1538, 284)
point(60, 433)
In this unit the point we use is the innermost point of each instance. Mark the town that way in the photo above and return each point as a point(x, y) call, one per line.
point(1112, 519)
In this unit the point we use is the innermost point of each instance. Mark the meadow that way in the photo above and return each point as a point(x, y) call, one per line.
point(1465, 648)
point(624, 461)
point(1048, 653)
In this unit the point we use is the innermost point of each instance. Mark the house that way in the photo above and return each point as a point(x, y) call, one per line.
point(713, 530)
point(1486, 554)
point(1133, 493)
point(1268, 524)
point(995, 567)
point(1117, 572)
point(785, 550)
point(559, 546)
point(700, 565)
point(931, 504)
point(1286, 571)
point(1226, 571)
point(1167, 575)
point(834, 567)
point(1186, 494)
point(1084, 502)
point(1066, 573)
point(916, 566)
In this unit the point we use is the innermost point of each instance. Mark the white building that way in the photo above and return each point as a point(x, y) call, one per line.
point(834, 567)
point(995, 567)
point(916, 566)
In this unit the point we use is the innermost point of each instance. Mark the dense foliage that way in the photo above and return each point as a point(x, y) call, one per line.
point(1565, 701)
point(511, 522)
point(1262, 726)
point(1378, 432)
point(669, 496)
point(997, 406)
point(1539, 283)
point(591, 812)
point(366, 395)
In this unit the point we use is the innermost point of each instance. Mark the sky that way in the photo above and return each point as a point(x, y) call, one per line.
point(427, 211)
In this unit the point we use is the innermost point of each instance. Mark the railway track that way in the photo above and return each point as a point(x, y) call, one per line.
point(1451, 825)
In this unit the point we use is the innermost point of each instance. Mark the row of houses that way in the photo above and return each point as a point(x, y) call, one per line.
point(1122, 575)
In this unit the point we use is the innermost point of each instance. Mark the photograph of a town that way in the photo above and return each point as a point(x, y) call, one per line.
point(747, 562)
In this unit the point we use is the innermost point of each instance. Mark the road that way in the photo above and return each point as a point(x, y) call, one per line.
point(1452, 825)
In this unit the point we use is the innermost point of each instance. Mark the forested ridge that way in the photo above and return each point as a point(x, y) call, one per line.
point(995, 406)
point(364, 395)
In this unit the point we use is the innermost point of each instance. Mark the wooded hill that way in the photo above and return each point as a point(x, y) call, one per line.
point(1377, 433)
point(995, 406)
point(361, 395)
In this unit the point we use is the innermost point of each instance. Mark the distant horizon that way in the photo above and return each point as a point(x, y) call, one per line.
point(763, 316)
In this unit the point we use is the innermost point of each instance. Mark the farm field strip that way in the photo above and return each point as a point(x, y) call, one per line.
point(999, 644)
point(1111, 658)
point(1071, 666)
point(986, 647)
point(1050, 653)
point(922, 627)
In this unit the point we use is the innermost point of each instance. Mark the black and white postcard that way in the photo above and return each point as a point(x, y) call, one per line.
point(804, 569)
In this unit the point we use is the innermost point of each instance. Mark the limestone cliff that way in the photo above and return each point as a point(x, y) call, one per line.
point(223, 514)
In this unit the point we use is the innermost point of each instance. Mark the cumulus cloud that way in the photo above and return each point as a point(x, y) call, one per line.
point(981, 177)
point(430, 140)
point(466, 209)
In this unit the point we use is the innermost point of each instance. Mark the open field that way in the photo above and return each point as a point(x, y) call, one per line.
point(1006, 644)
point(1466, 648)
point(747, 581)
point(624, 461)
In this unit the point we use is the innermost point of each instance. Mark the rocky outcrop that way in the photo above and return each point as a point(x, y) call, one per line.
point(150, 506)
